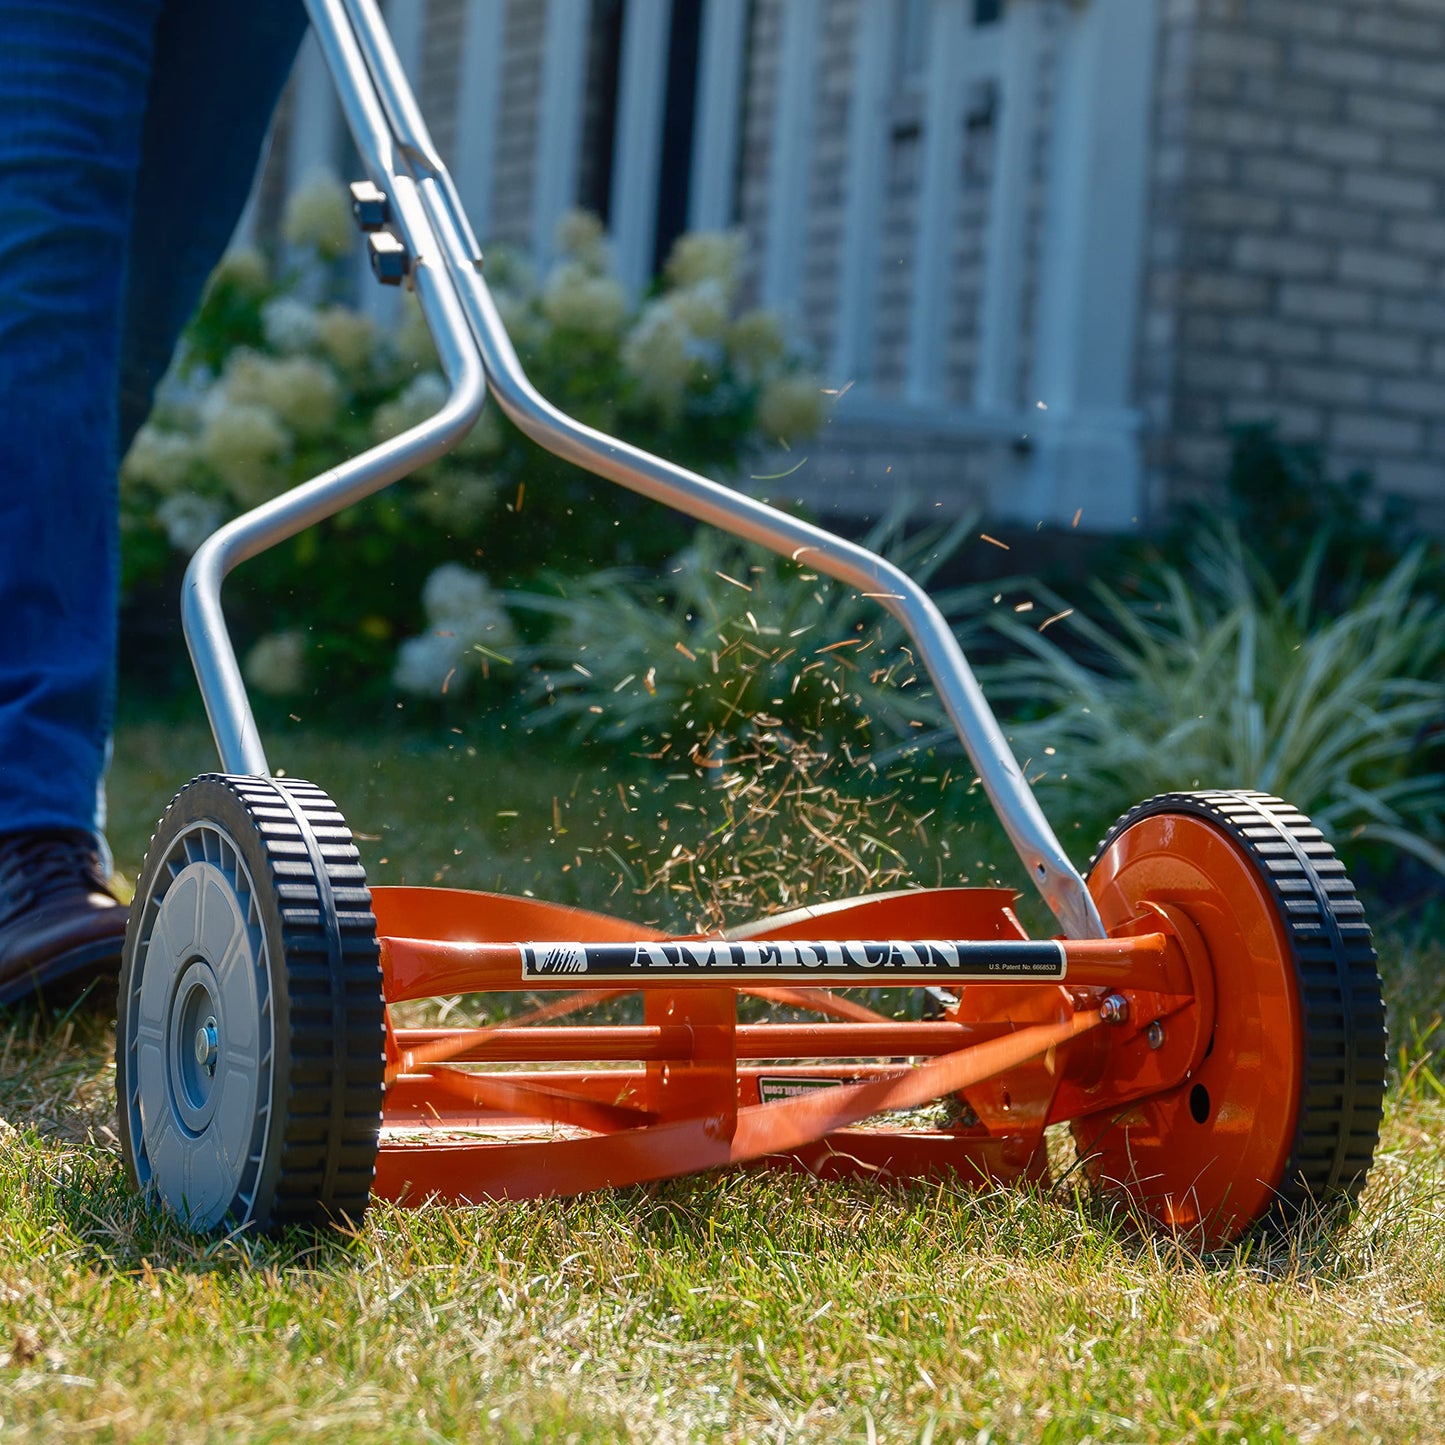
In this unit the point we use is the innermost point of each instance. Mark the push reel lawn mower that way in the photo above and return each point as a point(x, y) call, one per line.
point(1208, 1021)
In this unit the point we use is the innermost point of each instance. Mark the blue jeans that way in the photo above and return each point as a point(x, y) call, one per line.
point(129, 132)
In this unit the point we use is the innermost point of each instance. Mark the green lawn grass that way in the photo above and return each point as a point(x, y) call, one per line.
point(749, 1306)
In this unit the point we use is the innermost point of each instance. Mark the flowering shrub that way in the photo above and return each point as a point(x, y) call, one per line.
point(278, 378)
point(469, 625)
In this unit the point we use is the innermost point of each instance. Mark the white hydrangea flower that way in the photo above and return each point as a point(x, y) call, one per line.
point(582, 236)
point(303, 392)
point(755, 343)
point(247, 445)
point(243, 381)
point(423, 397)
point(318, 215)
point(658, 354)
point(243, 267)
point(702, 308)
point(510, 270)
point(464, 612)
point(188, 519)
point(519, 319)
point(791, 407)
point(490, 625)
point(290, 325)
point(158, 458)
point(182, 392)
point(277, 664)
point(429, 664)
point(453, 593)
point(457, 499)
point(348, 337)
point(707, 256)
point(576, 299)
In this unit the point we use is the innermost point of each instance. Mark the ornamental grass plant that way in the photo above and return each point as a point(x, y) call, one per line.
point(728, 641)
point(1210, 676)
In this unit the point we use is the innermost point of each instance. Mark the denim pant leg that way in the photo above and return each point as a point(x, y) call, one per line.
point(126, 150)
point(220, 66)
point(73, 83)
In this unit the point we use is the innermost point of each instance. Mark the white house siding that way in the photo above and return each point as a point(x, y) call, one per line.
point(823, 237)
point(439, 84)
point(1045, 78)
point(886, 371)
point(966, 260)
point(1158, 217)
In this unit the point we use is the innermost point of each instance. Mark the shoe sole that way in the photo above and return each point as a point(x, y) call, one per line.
point(100, 957)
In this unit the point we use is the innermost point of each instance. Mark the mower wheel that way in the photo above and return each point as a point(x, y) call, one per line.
point(1282, 1116)
point(250, 1039)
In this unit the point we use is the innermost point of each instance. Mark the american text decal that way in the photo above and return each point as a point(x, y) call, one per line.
point(785, 959)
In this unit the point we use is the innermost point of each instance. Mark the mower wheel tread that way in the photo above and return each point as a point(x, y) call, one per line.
point(328, 1077)
point(1342, 1011)
point(331, 1097)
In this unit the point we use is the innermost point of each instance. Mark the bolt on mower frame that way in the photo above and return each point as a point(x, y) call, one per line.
point(1208, 1022)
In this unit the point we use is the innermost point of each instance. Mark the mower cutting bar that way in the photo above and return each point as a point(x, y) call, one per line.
point(678, 1043)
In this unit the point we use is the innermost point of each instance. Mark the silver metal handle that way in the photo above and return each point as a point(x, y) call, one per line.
point(390, 133)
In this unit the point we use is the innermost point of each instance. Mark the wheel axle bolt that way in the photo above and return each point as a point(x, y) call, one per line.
point(207, 1045)
point(1154, 1035)
point(1114, 1009)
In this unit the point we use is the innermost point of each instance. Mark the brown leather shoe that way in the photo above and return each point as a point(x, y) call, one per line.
point(58, 917)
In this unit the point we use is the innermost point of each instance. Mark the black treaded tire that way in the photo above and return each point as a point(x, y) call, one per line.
point(282, 968)
point(1342, 1017)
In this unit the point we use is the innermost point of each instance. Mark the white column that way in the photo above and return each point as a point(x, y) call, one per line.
point(315, 117)
point(1087, 457)
point(792, 145)
point(559, 128)
point(1001, 303)
point(637, 146)
point(863, 191)
point(716, 119)
point(478, 104)
point(937, 202)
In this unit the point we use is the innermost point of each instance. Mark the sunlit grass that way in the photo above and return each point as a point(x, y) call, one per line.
point(748, 1306)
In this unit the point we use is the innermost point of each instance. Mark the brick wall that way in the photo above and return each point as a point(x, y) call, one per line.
point(1297, 243)
point(441, 71)
point(517, 138)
